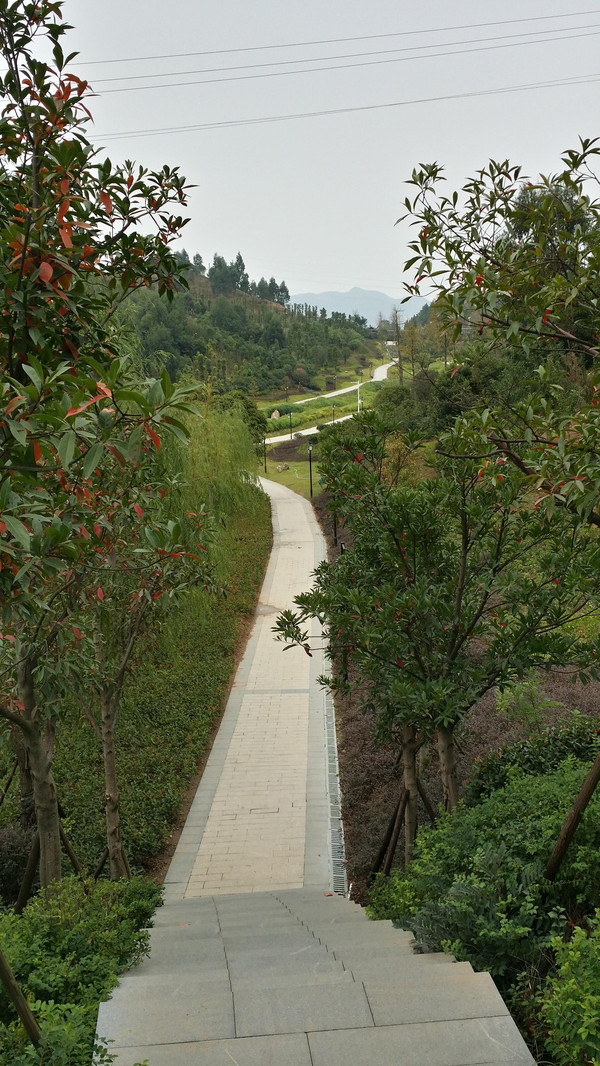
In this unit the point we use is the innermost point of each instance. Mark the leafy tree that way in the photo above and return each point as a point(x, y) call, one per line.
point(75, 243)
point(519, 261)
point(451, 587)
point(145, 564)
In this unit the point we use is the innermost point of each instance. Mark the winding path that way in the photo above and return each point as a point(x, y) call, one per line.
point(255, 960)
point(379, 374)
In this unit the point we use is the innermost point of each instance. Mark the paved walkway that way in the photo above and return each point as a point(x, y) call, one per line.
point(260, 816)
point(253, 960)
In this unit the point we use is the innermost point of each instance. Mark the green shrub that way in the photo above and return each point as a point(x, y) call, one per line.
point(475, 886)
point(66, 953)
point(540, 753)
point(570, 1005)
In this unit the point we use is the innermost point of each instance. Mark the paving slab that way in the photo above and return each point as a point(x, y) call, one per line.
point(437, 996)
point(456, 1043)
point(311, 960)
point(289, 1050)
point(303, 1008)
point(175, 1014)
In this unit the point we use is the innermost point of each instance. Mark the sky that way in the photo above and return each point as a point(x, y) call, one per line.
point(314, 200)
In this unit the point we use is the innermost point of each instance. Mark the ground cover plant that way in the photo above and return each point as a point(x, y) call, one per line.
point(66, 953)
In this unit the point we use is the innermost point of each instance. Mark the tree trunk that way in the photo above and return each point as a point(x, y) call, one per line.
point(27, 800)
point(572, 820)
point(447, 754)
point(18, 1001)
point(44, 788)
point(409, 760)
point(116, 855)
point(387, 863)
point(428, 805)
point(385, 843)
point(28, 876)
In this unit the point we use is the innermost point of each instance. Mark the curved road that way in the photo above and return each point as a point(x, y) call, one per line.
point(380, 374)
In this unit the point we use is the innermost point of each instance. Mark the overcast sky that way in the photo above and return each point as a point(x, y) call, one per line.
point(313, 200)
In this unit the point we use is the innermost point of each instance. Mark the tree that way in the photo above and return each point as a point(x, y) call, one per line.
point(75, 243)
point(519, 261)
point(453, 586)
point(150, 560)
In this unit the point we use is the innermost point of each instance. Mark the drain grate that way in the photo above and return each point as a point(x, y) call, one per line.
point(336, 828)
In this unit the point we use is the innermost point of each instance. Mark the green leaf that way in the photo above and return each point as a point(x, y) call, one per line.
point(167, 384)
point(18, 530)
point(92, 459)
point(66, 448)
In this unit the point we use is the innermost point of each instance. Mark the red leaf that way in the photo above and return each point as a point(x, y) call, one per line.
point(78, 634)
point(65, 235)
point(138, 510)
point(107, 202)
point(64, 186)
point(15, 403)
point(37, 451)
point(455, 371)
point(130, 181)
point(100, 594)
point(155, 439)
point(77, 410)
point(97, 529)
point(46, 272)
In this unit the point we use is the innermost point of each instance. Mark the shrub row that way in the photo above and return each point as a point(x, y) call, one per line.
point(476, 889)
point(66, 953)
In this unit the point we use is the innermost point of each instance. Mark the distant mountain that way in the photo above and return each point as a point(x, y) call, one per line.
point(367, 303)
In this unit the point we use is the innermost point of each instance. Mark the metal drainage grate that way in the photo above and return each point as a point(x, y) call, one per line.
point(336, 828)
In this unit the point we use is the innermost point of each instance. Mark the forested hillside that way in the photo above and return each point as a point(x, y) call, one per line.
point(221, 328)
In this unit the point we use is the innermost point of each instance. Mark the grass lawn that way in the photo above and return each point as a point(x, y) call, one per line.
point(294, 455)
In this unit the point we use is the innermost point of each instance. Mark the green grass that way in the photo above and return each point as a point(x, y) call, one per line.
point(321, 410)
point(296, 478)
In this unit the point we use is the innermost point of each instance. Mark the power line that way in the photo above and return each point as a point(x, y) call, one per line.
point(584, 79)
point(351, 55)
point(339, 40)
point(338, 66)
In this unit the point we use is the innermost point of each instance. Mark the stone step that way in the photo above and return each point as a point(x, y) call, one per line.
point(368, 967)
point(268, 979)
point(437, 995)
point(468, 1042)
point(339, 939)
point(285, 943)
point(315, 961)
point(300, 1009)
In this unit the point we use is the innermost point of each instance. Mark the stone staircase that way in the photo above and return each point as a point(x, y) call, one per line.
point(301, 978)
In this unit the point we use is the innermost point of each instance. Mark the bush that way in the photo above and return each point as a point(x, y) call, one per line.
point(475, 886)
point(541, 753)
point(66, 953)
point(570, 1006)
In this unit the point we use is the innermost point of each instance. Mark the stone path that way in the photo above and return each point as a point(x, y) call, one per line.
point(253, 960)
